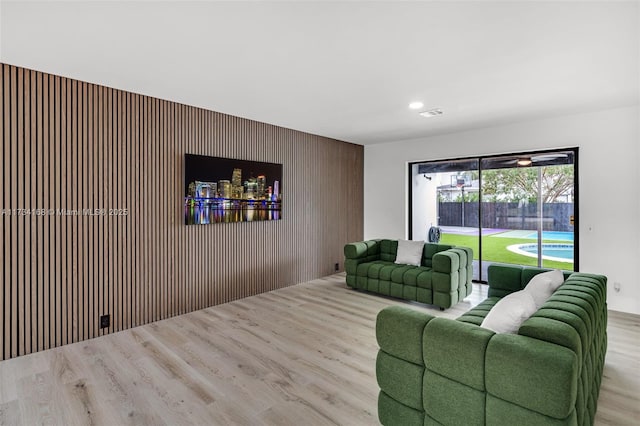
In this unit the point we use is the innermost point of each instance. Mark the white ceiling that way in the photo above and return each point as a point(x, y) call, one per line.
point(346, 70)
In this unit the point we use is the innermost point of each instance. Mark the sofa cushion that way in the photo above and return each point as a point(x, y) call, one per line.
point(537, 375)
point(430, 249)
point(504, 279)
point(456, 350)
point(510, 312)
point(477, 314)
point(542, 286)
point(408, 392)
point(388, 249)
point(386, 271)
point(425, 279)
point(371, 269)
point(398, 274)
point(413, 274)
point(392, 412)
point(449, 402)
point(409, 252)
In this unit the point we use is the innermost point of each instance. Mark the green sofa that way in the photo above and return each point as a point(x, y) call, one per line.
point(443, 279)
point(437, 371)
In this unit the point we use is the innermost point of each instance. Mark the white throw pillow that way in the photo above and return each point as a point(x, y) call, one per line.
point(409, 252)
point(542, 286)
point(510, 312)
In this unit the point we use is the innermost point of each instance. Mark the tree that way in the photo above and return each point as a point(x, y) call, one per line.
point(469, 197)
point(517, 184)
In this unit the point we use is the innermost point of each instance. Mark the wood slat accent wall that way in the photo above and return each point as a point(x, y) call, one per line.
point(72, 145)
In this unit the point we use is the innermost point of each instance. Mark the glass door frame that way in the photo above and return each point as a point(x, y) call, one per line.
point(479, 158)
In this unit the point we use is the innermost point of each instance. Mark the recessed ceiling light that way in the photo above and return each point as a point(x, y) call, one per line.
point(524, 161)
point(416, 105)
point(431, 112)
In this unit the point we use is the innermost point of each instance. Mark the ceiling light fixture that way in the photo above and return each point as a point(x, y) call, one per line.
point(524, 161)
point(416, 105)
point(431, 113)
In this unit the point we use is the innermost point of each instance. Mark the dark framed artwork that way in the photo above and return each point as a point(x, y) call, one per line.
point(223, 190)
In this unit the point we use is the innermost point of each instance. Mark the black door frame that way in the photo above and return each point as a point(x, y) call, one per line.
point(576, 196)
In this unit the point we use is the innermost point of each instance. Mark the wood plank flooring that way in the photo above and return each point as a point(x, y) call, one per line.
point(300, 355)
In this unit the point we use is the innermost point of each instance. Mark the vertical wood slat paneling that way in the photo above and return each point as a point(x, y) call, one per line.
point(89, 180)
point(4, 203)
point(16, 147)
point(23, 229)
point(37, 200)
point(32, 255)
point(74, 151)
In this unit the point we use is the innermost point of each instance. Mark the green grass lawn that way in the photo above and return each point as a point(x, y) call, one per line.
point(494, 249)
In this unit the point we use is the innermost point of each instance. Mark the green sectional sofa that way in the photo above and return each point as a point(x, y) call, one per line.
point(437, 371)
point(443, 279)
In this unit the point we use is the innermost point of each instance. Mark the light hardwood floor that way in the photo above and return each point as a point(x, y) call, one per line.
point(299, 355)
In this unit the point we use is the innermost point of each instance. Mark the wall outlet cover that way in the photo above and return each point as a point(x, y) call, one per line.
point(105, 321)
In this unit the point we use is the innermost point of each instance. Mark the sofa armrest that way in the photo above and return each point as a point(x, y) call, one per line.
point(360, 252)
point(446, 277)
point(399, 364)
point(446, 261)
point(456, 350)
point(466, 262)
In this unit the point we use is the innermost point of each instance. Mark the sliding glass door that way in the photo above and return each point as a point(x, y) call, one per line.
point(528, 209)
point(514, 209)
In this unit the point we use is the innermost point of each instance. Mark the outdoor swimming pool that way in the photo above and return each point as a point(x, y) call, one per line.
point(557, 252)
point(552, 235)
point(530, 234)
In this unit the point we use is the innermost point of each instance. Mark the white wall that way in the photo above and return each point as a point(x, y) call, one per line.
point(609, 160)
point(424, 203)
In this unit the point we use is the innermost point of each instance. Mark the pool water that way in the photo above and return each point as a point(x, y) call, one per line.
point(557, 252)
point(552, 235)
point(564, 251)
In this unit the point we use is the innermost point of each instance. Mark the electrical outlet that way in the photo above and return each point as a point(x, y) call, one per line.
point(336, 267)
point(616, 286)
point(105, 321)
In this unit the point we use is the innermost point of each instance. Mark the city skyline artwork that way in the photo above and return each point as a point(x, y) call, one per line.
point(223, 190)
